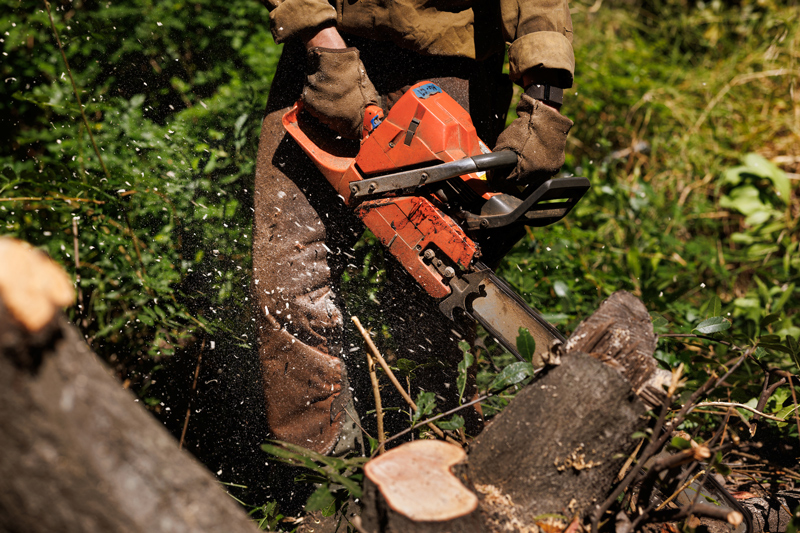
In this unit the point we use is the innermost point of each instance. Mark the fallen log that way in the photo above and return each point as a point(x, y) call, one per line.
point(78, 452)
point(558, 446)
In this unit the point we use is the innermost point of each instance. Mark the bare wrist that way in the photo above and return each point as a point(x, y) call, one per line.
point(327, 37)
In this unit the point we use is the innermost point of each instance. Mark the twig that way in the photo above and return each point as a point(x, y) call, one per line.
point(389, 373)
point(75, 90)
point(194, 389)
point(794, 401)
point(699, 509)
point(694, 336)
point(629, 461)
point(738, 406)
point(442, 415)
point(376, 391)
point(77, 263)
point(657, 444)
point(681, 489)
point(356, 422)
point(766, 392)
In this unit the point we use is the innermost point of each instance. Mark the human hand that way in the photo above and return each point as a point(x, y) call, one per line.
point(337, 89)
point(538, 137)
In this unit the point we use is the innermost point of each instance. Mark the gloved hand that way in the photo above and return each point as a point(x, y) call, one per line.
point(538, 137)
point(338, 90)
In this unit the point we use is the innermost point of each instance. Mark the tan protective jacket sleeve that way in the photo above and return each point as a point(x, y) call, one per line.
point(539, 31)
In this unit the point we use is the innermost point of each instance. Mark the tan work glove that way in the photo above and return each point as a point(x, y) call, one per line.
point(338, 90)
point(538, 137)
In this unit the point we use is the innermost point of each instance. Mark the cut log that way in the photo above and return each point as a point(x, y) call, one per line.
point(559, 445)
point(78, 452)
point(620, 333)
point(413, 488)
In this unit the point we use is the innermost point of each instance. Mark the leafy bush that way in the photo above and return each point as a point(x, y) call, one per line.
point(173, 94)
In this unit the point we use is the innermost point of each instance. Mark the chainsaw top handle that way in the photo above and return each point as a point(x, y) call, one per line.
point(411, 179)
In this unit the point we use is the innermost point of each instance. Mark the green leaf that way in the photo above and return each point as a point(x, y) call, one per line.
point(454, 423)
point(784, 298)
point(793, 344)
point(785, 412)
point(680, 444)
point(745, 199)
point(761, 166)
point(720, 466)
point(714, 324)
point(463, 368)
point(777, 348)
point(322, 498)
point(658, 320)
point(512, 374)
point(763, 291)
point(526, 344)
point(770, 319)
point(426, 403)
point(715, 307)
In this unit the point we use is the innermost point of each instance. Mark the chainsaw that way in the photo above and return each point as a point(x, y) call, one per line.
point(419, 181)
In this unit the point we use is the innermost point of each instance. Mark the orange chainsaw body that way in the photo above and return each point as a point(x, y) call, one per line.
point(425, 126)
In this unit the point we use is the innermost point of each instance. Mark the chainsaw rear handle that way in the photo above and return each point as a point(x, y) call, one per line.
point(411, 179)
point(548, 203)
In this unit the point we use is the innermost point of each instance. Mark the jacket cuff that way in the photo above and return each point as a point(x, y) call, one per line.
point(293, 16)
point(542, 49)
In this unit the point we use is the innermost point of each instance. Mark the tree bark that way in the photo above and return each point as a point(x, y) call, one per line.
point(559, 445)
point(77, 451)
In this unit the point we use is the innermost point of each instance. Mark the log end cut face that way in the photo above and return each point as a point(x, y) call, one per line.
point(32, 285)
point(416, 481)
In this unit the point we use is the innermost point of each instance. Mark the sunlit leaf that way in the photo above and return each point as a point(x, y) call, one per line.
point(512, 374)
point(453, 424)
point(526, 344)
point(714, 324)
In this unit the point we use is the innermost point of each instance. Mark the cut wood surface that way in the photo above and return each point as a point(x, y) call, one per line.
point(78, 453)
point(32, 286)
point(438, 495)
point(413, 488)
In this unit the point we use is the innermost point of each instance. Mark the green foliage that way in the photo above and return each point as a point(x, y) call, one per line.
point(337, 479)
point(454, 423)
point(680, 111)
point(463, 368)
point(426, 403)
point(715, 324)
point(526, 344)
point(173, 94)
point(511, 375)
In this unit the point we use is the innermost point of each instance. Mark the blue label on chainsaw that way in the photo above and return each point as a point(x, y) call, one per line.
point(427, 90)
